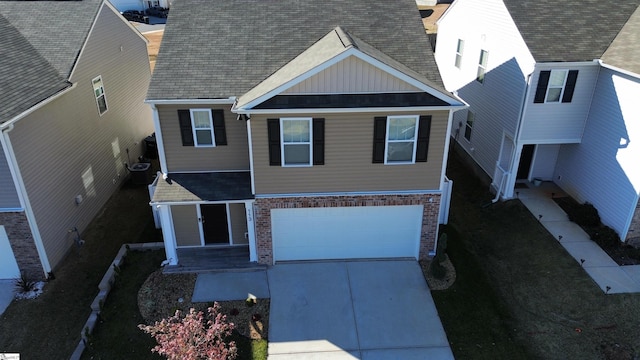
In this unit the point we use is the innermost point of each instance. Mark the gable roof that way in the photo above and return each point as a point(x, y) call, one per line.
point(569, 30)
point(40, 43)
point(338, 43)
point(624, 52)
point(220, 49)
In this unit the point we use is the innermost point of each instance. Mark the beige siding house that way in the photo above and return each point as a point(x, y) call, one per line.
point(326, 140)
point(66, 149)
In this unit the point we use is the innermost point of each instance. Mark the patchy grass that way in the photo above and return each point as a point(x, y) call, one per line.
point(49, 326)
point(550, 305)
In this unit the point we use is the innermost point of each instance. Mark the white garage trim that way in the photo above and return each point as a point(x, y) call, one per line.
point(346, 232)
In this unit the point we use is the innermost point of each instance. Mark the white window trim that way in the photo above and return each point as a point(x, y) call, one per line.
point(193, 128)
point(482, 66)
point(564, 86)
point(104, 95)
point(310, 142)
point(415, 140)
point(459, 51)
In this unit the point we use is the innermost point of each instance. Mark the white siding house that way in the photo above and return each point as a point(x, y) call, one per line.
point(544, 101)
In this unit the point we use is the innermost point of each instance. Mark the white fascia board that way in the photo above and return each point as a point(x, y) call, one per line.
point(230, 100)
point(38, 106)
point(351, 110)
point(86, 40)
point(540, 66)
point(454, 3)
point(351, 193)
point(617, 69)
point(198, 202)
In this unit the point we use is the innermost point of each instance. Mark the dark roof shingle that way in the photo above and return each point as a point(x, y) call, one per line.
point(219, 48)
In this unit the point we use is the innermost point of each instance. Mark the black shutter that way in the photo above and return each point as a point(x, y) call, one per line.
point(379, 137)
point(424, 129)
point(570, 86)
point(219, 130)
point(185, 127)
point(273, 128)
point(541, 89)
point(318, 141)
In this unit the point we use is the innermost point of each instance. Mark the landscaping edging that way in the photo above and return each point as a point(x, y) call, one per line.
point(105, 286)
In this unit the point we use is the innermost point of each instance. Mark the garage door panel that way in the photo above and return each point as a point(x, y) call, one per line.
point(348, 232)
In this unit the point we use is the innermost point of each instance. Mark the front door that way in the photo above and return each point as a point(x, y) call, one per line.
point(526, 157)
point(214, 224)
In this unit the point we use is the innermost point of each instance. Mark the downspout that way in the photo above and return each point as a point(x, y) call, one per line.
point(24, 198)
point(159, 140)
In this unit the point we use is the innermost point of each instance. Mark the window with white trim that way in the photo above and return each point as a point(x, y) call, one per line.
point(469, 125)
point(482, 65)
point(459, 51)
point(98, 92)
point(557, 80)
point(296, 135)
point(202, 127)
point(402, 134)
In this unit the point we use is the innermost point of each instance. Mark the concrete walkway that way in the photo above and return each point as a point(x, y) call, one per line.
point(370, 310)
point(6, 294)
point(609, 276)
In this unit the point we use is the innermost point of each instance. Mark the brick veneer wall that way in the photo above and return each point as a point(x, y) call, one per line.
point(263, 206)
point(633, 236)
point(24, 248)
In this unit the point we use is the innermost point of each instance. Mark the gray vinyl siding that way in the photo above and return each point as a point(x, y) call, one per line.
point(185, 225)
point(601, 169)
point(58, 144)
point(559, 122)
point(8, 193)
point(233, 156)
point(238, 223)
point(348, 160)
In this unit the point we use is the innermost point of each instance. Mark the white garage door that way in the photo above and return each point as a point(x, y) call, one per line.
point(346, 232)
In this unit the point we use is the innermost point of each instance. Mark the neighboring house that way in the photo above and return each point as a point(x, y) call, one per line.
point(302, 130)
point(553, 89)
point(73, 76)
point(140, 5)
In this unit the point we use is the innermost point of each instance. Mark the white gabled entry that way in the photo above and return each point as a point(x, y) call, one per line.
point(8, 266)
point(346, 232)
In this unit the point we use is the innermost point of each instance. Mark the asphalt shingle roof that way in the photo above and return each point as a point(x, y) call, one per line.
point(195, 187)
point(220, 48)
point(570, 30)
point(39, 44)
point(624, 52)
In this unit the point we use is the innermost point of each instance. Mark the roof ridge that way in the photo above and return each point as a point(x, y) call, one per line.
point(344, 37)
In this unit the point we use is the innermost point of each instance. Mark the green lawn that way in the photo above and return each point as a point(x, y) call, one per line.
point(520, 290)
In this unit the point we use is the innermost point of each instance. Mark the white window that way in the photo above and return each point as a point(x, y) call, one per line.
point(482, 65)
point(296, 135)
point(469, 126)
point(202, 127)
point(402, 134)
point(98, 92)
point(459, 51)
point(557, 80)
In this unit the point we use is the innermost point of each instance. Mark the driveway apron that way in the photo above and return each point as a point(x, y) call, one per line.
point(353, 310)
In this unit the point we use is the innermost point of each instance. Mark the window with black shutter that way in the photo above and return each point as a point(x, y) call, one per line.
point(555, 86)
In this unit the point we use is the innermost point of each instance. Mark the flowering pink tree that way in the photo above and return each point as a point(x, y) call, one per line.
point(193, 337)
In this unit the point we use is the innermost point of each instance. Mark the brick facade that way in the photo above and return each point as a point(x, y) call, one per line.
point(263, 206)
point(633, 236)
point(24, 248)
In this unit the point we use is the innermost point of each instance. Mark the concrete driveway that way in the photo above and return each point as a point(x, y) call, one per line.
point(353, 310)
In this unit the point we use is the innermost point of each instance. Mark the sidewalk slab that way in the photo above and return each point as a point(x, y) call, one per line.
point(332, 355)
point(546, 207)
point(591, 253)
point(570, 232)
point(432, 353)
point(615, 278)
point(633, 271)
point(230, 286)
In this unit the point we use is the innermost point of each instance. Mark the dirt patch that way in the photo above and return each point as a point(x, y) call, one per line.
point(162, 294)
point(439, 284)
point(154, 38)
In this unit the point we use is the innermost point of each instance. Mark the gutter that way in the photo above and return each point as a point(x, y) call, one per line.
point(229, 100)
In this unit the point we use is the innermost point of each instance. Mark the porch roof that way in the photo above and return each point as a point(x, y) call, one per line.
point(198, 187)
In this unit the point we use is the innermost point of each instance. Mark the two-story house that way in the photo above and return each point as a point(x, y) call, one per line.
point(73, 77)
point(553, 90)
point(303, 130)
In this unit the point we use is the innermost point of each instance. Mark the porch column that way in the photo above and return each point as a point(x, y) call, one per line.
point(251, 231)
point(168, 234)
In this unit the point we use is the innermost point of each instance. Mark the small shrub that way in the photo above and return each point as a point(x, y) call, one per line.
point(234, 312)
point(256, 317)
point(250, 301)
point(585, 215)
point(437, 270)
point(23, 284)
point(606, 237)
point(193, 337)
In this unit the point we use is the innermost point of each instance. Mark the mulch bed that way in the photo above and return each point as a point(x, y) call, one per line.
point(162, 294)
point(439, 284)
